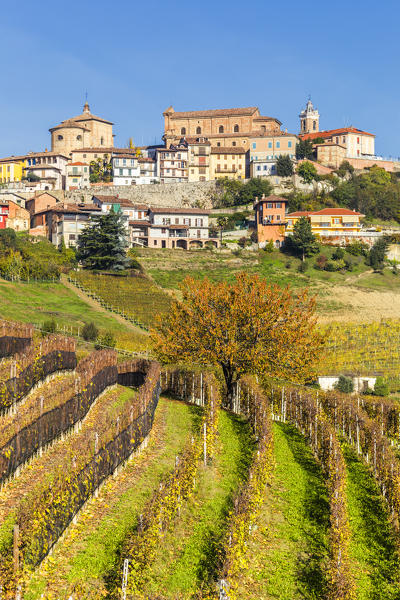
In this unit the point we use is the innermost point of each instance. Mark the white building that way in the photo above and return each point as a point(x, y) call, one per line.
point(125, 169)
point(77, 176)
point(185, 228)
point(148, 170)
point(172, 163)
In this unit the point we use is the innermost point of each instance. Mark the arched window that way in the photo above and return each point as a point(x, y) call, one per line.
point(221, 129)
point(102, 141)
point(198, 130)
point(183, 131)
point(218, 143)
point(236, 129)
point(79, 137)
point(263, 129)
point(60, 137)
point(233, 143)
point(314, 125)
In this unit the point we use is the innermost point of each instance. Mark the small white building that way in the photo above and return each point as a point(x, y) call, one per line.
point(125, 169)
point(172, 163)
point(77, 176)
point(148, 170)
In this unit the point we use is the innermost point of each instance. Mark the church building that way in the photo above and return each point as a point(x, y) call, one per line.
point(84, 131)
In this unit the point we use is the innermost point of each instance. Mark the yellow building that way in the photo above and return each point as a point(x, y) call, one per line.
point(328, 222)
point(12, 169)
point(228, 162)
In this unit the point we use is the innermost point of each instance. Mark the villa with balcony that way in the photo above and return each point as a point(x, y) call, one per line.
point(334, 225)
point(186, 228)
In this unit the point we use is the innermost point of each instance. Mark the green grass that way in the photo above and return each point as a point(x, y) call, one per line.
point(89, 553)
point(188, 554)
point(39, 302)
point(373, 550)
point(288, 551)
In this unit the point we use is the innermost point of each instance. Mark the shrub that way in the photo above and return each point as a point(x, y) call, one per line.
point(357, 248)
point(90, 332)
point(335, 265)
point(106, 340)
point(253, 237)
point(242, 242)
point(321, 261)
point(338, 254)
point(344, 384)
point(48, 327)
point(288, 264)
point(269, 247)
point(381, 388)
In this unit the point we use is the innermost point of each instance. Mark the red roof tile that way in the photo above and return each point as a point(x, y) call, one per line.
point(330, 132)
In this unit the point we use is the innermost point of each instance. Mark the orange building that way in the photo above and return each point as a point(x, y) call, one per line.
point(270, 214)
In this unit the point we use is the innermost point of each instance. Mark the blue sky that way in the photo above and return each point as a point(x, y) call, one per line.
point(136, 58)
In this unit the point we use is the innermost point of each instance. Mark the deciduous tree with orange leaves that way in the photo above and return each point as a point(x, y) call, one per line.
point(244, 327)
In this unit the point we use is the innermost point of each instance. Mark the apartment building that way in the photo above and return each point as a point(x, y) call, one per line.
point(227, 162)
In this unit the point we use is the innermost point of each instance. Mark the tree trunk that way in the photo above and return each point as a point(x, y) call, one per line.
point(230, 380)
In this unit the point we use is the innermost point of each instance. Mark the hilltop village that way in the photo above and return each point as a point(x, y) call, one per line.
point(54, 193)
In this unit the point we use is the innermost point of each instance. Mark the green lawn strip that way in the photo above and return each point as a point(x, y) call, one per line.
point(372, 550)
point(38, 302)
point(188, 554)
point(89, 550)
point(288, 550)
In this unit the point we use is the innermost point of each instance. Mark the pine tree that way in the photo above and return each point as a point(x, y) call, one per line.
point(303, 240)
point(377, 254)
point(102, 244)
point(284, 166)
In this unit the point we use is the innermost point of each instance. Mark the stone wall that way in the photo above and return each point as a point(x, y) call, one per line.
point(194, 194)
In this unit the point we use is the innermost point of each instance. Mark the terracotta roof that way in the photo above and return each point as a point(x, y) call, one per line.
point(124, 156)
point(321, 169)
point(300, 213)
point(227, 150)
point(69, 209)
point(41, 166)
point(336, 211)
point(273, 134)
point(108, 199)
point(271, 198)
point(161, 226)
point(179, 211)
point(146, 160)
point(105, 150)
point(78, 164)
point(218, 112)
point(195, 140)
point(330, 132)
point(141, 223)
point(85, 116)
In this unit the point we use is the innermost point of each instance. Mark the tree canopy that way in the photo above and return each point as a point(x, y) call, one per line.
point(102, 244)
point(304, 149)
point(284, 166)
point(231, 192)
point(307, 171)
point(302, 240)
point(244, 327)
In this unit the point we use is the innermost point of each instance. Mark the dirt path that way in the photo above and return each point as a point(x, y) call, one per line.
point(94, 304)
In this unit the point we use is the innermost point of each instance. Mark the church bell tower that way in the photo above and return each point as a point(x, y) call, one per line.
point(309, 119)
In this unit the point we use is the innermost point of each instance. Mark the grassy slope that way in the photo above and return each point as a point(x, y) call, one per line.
point(288, 549)
point(38, 302)
point(376, 569)
point(88, 551)
point(188, 553)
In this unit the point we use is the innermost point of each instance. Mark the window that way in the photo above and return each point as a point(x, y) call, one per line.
point(163, 230)
point(74, 181)
point(278, 217)
point(54, 160)
point(225, 166)
point(176, 220)
point(336, 221)
point(314, 125)
point(344, 140)
point(72, 237)
point(265, 167)
point(199, 222)
point(337, 140)
point(166, 221)
point(279, 205)
point(289, 144)
point(218, 167)
point(121, 171)
point(263, 129)
point(269, 205)
point(124, 162)
point(269, 144)
point(278, 144)
point(202, 170)
point(236, 129)
point(218, 144)
point(79, 137)
point(290, 222)
point(221, 129)
point(75, 170)
point(325, 224)
point(240, 166)
point(60, 137)
point(198, 130)
point(254, 145)
point(192, 171)
point(187, 221)
point(183, 131)
point(84, 155)
point(102, 141)
point(258, 168)
point(155, 242)
point(358, 140)
point(233, 143)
